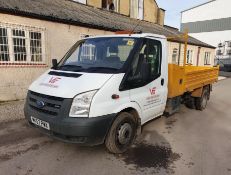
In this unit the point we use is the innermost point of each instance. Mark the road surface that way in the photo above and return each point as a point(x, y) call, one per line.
point(188, 143)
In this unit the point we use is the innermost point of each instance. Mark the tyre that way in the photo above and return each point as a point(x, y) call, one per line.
point(190, 103)
point(121, 134)
point(201, 102)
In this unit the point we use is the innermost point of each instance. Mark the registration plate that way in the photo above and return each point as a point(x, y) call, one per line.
point(40, 123)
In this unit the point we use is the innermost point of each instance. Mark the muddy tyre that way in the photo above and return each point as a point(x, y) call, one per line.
point(201, 102)
point(190, 103)
point(121, 134)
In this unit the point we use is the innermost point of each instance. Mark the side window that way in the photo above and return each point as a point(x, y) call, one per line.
point(146, 65)
point(153, 56)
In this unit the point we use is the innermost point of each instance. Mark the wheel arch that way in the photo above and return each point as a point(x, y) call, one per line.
point(134, 112)
point(134, 109)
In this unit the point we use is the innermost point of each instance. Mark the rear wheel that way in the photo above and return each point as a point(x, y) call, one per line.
point(190, 103)
point(121, 134)
point(201, 102)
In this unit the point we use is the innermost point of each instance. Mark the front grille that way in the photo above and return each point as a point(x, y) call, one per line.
point(51, 105)
point(46, 96)
point(44, 110)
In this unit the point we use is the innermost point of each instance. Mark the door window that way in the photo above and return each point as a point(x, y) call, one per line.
point(146, 65)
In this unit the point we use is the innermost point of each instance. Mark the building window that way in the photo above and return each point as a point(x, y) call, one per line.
point(229, 52)
point(36, 46)
point(4, 48)
point(21, 44)
point(207, 58)
point(219, 52)
point(112, 5)
point(134, 9)
point(229, 43)
point(175, 56)
point(137, 9)
point(141, 10)
point(189, 56)
point(220, 45)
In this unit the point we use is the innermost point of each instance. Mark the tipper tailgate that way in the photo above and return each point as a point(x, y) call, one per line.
point(196, 77)
point(186, 79)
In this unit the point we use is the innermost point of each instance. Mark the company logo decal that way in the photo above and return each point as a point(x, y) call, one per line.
point(51, 82)
point(54, 80)
point(152, 100)
point(152, 91)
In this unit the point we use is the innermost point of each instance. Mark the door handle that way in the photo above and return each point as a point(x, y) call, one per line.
point(162, 82)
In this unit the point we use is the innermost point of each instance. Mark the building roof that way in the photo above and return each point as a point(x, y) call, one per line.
point(209, 1)
point(69, 12)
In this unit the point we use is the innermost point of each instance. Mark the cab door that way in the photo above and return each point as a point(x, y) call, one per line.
point(147, 80)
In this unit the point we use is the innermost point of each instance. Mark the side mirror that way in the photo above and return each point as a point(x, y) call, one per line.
point(54, 63)
point(145, 71)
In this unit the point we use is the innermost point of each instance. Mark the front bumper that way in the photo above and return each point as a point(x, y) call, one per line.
point(85, 131)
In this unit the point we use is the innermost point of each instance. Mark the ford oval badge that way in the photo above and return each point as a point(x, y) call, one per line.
point(40, 104)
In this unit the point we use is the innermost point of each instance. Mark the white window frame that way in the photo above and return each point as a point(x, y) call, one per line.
point(5, 44)
point(207, 60)
point(27, 29)
point(175, 55)
point(116, 4)
point(141, 9)
point(134, 9)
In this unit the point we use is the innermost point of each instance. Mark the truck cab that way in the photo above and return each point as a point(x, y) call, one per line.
point(102, 91)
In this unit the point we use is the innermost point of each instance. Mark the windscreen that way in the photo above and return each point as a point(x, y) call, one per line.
point(107, 54)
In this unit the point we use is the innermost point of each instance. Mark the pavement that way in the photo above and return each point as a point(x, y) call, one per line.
point(10, 111)
point(225, 74)
point(188, 143)
point(221, 78)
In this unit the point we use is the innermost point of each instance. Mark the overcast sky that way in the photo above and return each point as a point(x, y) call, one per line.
point(174, 7)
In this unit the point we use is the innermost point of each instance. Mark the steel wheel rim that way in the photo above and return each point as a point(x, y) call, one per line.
point(124, 133)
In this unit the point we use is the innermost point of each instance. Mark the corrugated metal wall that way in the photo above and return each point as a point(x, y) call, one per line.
point(208, 25)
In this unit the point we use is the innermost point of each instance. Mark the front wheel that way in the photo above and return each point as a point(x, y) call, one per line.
point(121, 134)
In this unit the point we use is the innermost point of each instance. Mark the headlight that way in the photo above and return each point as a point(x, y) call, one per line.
point(81, 104)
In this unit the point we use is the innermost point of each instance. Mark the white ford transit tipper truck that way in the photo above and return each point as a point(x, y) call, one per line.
point(105, 88)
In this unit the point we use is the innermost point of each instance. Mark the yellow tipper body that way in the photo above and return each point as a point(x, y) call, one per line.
point(183, 79)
